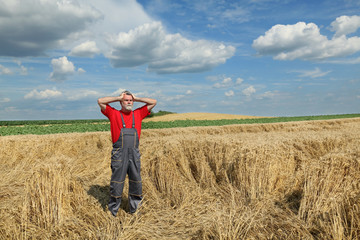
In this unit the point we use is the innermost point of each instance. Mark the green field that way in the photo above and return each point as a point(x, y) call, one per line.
point(41, 127)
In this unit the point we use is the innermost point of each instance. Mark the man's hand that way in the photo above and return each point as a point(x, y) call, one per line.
point(149, 101)
point(106, 100)
point(135, 98)
point(121, 97)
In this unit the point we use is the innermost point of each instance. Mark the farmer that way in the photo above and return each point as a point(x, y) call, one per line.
point(125, 126)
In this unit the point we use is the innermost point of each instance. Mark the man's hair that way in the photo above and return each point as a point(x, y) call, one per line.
point(126, 92)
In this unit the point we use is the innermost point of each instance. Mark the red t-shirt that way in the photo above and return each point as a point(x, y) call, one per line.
point(115, 120)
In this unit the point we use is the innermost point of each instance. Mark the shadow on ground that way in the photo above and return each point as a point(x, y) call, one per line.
point(102, 193)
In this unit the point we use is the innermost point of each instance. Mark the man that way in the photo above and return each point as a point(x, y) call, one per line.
point(125, 127)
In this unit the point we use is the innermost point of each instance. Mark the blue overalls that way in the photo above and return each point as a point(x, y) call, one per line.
point(125, 159)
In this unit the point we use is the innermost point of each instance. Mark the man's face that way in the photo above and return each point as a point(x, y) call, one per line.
point(127, 102)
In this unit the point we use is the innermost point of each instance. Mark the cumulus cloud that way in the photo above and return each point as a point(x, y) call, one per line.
point(165, 53)
point(345, 25)
point(249, 91)
point(85, 49)
point(80, 70)
point(230, 93)
point(4, 70)
point(23, 70)
point(29, 28)
point(226, 82)
point(239, 81)
point(223, 81)
point(41, 95)
point(304, 41)
point(62, 69)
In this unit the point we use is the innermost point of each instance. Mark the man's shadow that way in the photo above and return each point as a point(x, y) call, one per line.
point(102, 194)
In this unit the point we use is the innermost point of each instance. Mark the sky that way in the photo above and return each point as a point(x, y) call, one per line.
point(247, 57)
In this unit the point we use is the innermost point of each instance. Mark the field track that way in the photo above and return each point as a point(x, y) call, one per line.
point(296, 180)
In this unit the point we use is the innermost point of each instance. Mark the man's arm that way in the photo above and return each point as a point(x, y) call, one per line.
point(106, 100)
point(149, 102)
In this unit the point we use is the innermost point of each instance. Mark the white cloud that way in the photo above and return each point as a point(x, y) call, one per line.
point(249, 91)
point(4, 100)
point(23, 70)
point(189, 92)
point(345, 25)
point(4, 70)
point(40, 95)
point(80, 70)
point(239, 81)
point(226, 82)
point(85, 49)
point(62, 69)
point(29, 28)
point(230, 93)
point(165, 53)
point(313, 73)
point(304, 41)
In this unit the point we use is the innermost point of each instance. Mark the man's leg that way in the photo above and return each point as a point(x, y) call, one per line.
point(135, 184)
point(118, 168)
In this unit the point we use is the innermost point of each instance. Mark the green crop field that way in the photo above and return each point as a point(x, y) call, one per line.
point(41, 127)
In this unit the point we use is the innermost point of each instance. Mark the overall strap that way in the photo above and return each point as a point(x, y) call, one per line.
point(122, 120)
point(133, 125)
point(133, 120)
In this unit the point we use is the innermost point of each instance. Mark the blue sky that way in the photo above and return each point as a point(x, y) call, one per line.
point(247, 57)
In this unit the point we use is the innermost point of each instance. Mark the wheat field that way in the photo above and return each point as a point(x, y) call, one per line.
point(298, 180)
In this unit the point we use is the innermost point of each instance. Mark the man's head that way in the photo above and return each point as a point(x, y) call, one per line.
point(127, 101)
